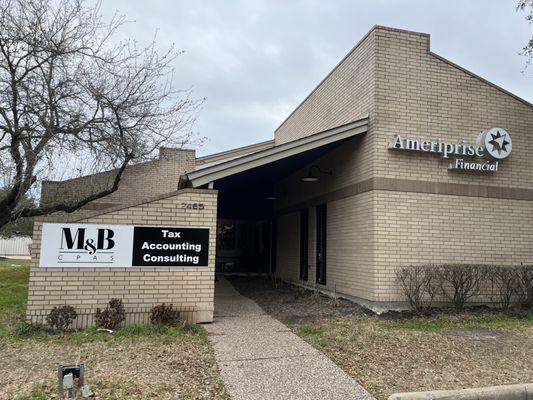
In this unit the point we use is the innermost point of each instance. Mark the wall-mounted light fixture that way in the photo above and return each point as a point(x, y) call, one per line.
point(310, 177)
point(276, 194)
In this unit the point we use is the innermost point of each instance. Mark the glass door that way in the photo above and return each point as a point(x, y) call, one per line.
point(304, 244)
point(321, 239)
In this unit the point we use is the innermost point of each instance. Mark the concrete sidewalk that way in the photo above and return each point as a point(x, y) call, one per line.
point(260, 358)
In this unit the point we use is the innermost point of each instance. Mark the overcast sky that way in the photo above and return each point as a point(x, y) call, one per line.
point(255, 60)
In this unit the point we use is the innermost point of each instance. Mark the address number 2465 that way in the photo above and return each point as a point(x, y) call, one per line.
point(192, 206)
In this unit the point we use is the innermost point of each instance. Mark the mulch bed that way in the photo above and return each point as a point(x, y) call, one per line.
point(293, 305)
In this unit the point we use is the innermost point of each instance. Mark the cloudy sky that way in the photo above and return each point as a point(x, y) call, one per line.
point(255, 60)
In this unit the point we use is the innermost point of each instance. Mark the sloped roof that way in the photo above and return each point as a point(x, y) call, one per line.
point(217, 158)
point(217, 171)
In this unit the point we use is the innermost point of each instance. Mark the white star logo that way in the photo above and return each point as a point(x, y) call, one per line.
point(497, 143)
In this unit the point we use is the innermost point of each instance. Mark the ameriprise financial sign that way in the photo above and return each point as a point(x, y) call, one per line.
point(494, 145)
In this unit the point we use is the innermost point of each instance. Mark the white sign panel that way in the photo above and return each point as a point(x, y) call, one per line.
point(88, 245)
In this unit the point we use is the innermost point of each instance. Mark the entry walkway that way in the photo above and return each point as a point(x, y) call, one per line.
point(260, 358)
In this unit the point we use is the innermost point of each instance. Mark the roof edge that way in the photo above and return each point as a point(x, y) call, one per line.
point(73, 218)
point(480, 78)
point(217, 169)
point(329, 74)
point(375, 27)
point(206, 158)
point(410, 32)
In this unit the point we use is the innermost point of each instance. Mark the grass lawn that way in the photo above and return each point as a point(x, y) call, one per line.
point(443, 353)
point(136, 362)
point(13, 293)
point(412, 354)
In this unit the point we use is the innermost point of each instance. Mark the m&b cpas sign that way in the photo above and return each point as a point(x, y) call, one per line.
point(89, 245)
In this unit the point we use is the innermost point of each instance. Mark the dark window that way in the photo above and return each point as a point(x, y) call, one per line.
point(321, 239)
point(273, 244)
point(227, 236)
point(304, 244)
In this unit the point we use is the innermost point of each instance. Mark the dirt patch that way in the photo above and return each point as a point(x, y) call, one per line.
point(177, 368)
point(479, 335)
point(436, 311)
point(293, 305)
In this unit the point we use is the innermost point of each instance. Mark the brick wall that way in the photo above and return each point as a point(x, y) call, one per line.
point(350, 244)
point(420, 94)
point(350, 239)
point(345, 95)
point(389, 208)
point(287, 250)
point(138, 182)
point(191, 290)
point(417, 228)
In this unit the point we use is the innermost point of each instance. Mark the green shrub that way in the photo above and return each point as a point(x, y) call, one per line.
point(160, 328)
point(133, 330)
point(192, 328)
point(26, 330)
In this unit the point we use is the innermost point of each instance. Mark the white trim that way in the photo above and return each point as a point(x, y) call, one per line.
point(204, 176)
point(237, 152)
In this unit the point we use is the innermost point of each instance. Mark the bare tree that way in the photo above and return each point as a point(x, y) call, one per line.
point(527, 7)
point(73, 100)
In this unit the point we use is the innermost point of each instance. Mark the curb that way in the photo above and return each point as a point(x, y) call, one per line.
point(522, 391)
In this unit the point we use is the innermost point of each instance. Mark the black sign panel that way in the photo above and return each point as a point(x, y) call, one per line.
point(170, 247)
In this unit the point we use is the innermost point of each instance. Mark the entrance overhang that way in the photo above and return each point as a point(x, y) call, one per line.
point(204, 176)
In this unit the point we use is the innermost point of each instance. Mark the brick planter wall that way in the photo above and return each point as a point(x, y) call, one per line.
point(190, 289)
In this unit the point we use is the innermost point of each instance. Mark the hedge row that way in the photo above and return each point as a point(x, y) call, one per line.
point(460, 283)
point(61, 318)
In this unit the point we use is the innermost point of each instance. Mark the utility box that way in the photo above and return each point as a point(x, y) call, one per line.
point(70, 380)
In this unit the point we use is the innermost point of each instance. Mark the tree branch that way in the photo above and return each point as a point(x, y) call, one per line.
point(69, 208)
point(75, 102)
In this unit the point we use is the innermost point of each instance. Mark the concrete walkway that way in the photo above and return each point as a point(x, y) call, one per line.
point(260, 358)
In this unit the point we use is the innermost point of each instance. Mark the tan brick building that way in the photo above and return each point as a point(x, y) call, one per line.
point(328, 203)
